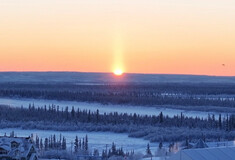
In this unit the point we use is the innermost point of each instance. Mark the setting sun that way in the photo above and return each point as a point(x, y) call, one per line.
point(118, 72)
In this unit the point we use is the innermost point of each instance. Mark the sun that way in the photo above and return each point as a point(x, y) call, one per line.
point(118, 72)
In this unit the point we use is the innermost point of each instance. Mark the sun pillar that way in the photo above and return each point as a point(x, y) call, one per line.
point(118, 52)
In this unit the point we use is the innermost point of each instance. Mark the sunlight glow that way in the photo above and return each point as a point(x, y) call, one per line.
point(118, 72)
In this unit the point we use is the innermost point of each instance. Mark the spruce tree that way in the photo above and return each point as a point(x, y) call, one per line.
point(97, 116)
point(46, 144)
point(37, 142)
point(96, 152)
point(86, 143)
point(76, 145)
point(64, 146)
point(73, 112)
point(113, 151)
point(220, 122)
point(41, 144)
point(161, 117)
point(148, 151)
point(160, 145)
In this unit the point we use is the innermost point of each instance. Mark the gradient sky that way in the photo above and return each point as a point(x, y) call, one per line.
point(137, 36)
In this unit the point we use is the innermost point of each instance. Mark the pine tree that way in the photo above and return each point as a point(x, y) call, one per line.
point(96, 152)
point(54, 141)
point(64, 146)
point(220, 122)
point(89, 116)
point(37, 142)
point(73, 112)
point(78, 113)
point(148, 151)
point(121, 152)
point(227, 123)
point(104, 155)
point(41, 144)
point(46, 144)
point(187, 143)
point(113, 151)
point(160, 145)
point(97, 116)
point(60, 142)
point(83, 144)
point(86, 143)
point(67, 112)
point(80, 144)
point(161, 117)
point(109, 153)
point(50, 143)
point(76, 145)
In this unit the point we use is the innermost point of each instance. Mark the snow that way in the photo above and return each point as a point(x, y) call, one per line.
point(50, 159)
point(153, 158)
point(141, 110)
point(221, 144)
point(97, 140)
point(220, 153)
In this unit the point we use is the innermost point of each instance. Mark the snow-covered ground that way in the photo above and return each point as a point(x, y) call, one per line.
point(153, 158)
point(97, 140)
point(142, 110)
point(221, 144)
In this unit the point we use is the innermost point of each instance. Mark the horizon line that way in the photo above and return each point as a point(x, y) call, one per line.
point(140, 73)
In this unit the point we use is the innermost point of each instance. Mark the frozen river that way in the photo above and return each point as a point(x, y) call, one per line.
point(141, 110)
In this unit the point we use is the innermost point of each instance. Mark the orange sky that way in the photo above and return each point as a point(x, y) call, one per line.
point(137, 36)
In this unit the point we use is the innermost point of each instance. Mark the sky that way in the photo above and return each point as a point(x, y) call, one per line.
point(136, 36)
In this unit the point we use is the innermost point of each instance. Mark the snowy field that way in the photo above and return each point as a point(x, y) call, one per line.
point(97, 140)
point(106, 108)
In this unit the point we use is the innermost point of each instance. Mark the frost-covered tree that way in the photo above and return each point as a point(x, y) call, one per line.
point(46, 144)
point(37, 142)
point(96, 152)
point(64, 145)
point(41, 144)
point(86, 144)
point(148, 151)
point(76, 144)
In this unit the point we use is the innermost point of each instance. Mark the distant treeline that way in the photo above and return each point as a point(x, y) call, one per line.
point(156, 94)
point(136, 125)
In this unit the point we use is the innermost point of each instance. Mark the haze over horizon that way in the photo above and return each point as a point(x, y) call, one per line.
point(150, 37)
point(126, 73)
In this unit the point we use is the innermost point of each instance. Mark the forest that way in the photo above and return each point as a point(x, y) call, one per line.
point(190, 94)
point(154, 128)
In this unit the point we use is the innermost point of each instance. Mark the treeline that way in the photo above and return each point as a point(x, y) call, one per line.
point(154, 128)
point(78, 147)
point(54, 114)
point(155, 94)
point(54, 143)
point(151, 88)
